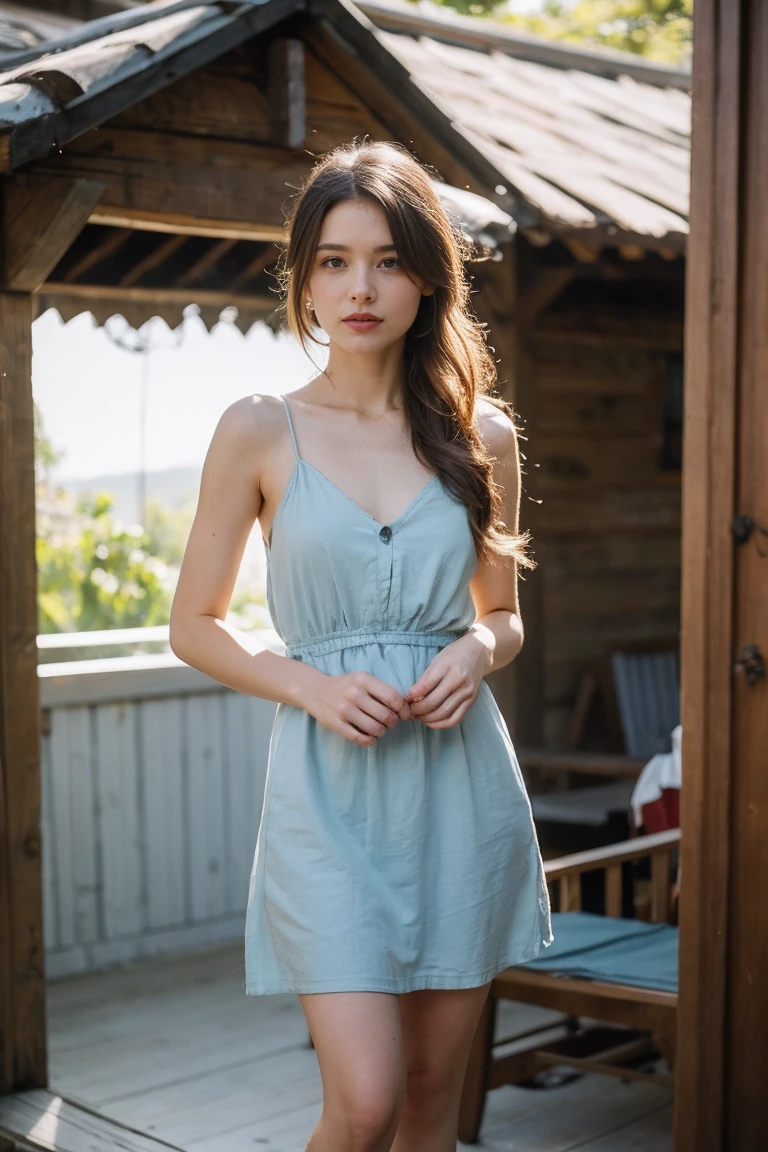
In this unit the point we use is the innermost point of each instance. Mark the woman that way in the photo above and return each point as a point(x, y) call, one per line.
point(397, 868)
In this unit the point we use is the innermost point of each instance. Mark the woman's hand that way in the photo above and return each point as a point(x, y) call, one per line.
point(449, 686)
point(357, 705)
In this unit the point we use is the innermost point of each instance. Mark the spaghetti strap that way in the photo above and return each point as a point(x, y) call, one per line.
point(291, 428)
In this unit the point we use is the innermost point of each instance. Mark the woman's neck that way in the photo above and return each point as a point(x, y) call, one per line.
point(371, 384)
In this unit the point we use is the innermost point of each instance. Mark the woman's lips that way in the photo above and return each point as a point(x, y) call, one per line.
point(362, 325)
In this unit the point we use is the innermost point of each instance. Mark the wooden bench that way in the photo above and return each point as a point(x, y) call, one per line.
point(605, 1025)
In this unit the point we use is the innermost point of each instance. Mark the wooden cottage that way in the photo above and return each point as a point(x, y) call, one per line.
point(187, 130)
point(145, 160)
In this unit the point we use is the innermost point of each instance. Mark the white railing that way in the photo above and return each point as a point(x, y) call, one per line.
point(153, 778)
point(50, 640)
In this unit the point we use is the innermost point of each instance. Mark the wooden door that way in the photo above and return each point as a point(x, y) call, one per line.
point(723, 1019)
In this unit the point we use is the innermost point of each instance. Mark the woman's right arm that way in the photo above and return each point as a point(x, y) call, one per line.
point(229, 505)
point(358, 705)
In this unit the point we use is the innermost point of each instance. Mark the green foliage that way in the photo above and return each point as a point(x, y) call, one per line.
point(472, 7)
point(167, 528)
point(95, 572)
point(661, 30)
point(45, 453)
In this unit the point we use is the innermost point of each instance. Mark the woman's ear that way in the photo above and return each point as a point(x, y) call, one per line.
point(427, 291)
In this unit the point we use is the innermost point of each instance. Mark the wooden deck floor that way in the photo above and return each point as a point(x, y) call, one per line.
point(173, 1047)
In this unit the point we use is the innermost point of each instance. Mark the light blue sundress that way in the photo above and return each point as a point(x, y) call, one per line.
point(412, 864)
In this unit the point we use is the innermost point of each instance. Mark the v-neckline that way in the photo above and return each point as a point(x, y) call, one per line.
point(379, 524)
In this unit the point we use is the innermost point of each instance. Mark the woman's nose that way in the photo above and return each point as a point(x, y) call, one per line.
point(362, 285)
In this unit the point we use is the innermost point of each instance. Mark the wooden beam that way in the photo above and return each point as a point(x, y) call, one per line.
point(22, 975)
point(179, 225)
point(109, 244)
point(41, 218)
point(224, 299)
point(584, 252)
point(252, 269)
point(178, 183)
point(154, 259)
point(205, 262)
point(287, 93)
point(632, 252)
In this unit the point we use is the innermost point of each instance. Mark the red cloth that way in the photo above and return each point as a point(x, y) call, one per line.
point(662, 814)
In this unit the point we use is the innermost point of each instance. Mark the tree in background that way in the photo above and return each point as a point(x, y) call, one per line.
point(93, 572)
point(96, 573)
point(659, 29)
point(46, 456)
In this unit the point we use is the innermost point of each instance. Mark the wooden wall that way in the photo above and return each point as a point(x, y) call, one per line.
point(587, 378)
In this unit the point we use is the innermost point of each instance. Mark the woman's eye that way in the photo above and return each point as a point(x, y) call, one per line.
point(330, 258)
point(391, 261)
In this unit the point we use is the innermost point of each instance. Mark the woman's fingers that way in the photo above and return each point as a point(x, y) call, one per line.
point(425, 684)
point(434, 699)
point(368, 724)
point(351, 733)
point(387, 695)
point(450, 714)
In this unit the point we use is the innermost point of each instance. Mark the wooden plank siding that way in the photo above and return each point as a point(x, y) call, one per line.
point(607, 528)
point(150, 812)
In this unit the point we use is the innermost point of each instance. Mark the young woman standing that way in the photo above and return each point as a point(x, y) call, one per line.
point(397, 869)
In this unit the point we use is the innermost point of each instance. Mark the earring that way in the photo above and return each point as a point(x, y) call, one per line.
point(309, 305)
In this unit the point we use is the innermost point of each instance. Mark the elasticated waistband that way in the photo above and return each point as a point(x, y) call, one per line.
point(355, 638)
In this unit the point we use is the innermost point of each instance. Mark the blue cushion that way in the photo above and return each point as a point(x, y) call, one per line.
point(616, 951)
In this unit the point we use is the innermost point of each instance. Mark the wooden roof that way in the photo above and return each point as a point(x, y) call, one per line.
point(22, 27)
point(586, 142)
point(592, 143)
point(568, 142)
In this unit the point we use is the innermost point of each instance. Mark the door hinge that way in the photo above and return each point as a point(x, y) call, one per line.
point(751, 663)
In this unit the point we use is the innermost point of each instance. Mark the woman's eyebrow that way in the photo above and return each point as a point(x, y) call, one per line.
point(345, 248)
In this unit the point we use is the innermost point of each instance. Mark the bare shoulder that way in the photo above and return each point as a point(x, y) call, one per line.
point(496, 429)
point(253, 422)
point(251, 426)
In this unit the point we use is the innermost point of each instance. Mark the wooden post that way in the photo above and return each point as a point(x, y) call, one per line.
point(22, 986)
point(40, 219)
point(721, 1103)
point(287, 93)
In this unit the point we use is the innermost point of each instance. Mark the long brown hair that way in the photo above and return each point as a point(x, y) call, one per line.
point(447, 364)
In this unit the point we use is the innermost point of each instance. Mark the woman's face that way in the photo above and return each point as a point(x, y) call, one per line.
point(356, 273)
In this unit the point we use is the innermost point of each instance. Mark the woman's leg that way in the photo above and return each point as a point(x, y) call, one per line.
point(358, 1041)
point(438, 1029)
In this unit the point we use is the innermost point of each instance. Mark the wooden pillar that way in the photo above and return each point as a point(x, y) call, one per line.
point(22, 987)
point(721, 1103)
point(40, 219)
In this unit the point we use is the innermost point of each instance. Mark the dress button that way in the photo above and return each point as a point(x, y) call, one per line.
point(386, 534)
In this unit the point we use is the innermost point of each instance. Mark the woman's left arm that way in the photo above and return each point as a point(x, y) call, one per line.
point(449, 686)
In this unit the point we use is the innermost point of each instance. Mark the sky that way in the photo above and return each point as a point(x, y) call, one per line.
point(89, 390)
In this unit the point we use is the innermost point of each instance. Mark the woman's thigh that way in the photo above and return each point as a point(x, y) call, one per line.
point(438, 1028)
point(359, 1045)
